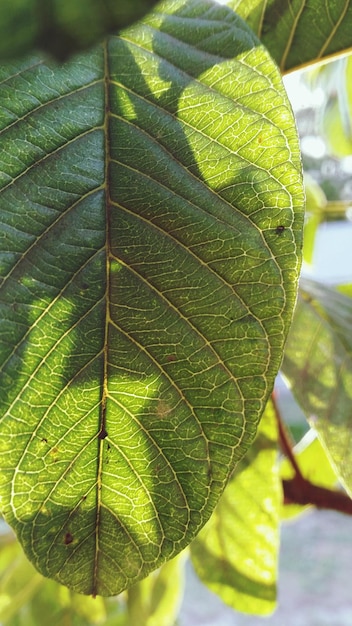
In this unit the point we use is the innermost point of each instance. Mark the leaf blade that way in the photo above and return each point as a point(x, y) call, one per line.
point(154, 344)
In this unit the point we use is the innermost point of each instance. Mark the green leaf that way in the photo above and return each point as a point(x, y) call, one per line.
point(298, 33)
point(155, 601)
point(315, 204)
point(314, 465)
point(338, 142)
point(61, 27)
point(235, 554)
point(19, 581)
point(318, 365)
point(346, 289)
point(150, 236)
point(336, 125)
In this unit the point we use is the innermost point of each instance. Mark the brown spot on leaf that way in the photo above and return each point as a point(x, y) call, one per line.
point(163, 409)
point(68, 539)
point(54, 452)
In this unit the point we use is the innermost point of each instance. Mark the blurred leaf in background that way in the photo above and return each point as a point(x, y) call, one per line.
point(318, 364)
point(61, 27)
point(236, 553)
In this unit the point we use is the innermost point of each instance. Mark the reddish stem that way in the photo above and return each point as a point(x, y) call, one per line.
point(299, 490)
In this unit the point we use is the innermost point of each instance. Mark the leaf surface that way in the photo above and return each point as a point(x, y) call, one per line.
point(318, 365)
point(151, 218)
point(236, 553)
point(298, 33)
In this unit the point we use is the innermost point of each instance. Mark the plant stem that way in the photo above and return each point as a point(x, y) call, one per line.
point(299, 490)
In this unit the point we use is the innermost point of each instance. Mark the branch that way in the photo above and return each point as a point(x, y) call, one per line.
point(285, 443)
point(299, 490)
point(320, 497)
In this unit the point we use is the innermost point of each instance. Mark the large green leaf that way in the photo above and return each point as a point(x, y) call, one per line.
point(62, 26)
point(296, 32)
point(318, 364)
point(236, 553)
point(150, 236)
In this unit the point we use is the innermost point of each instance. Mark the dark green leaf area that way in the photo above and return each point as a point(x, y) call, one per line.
point(298, 34)
point(318, 365)
point(147, 288)
point(62, 27)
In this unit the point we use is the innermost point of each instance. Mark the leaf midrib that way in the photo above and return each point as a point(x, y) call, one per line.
point(102, 432)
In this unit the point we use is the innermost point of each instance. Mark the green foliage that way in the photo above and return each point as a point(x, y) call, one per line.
point(26, 598)
point(61, 27)
point(318, 364)
point(235, 554)
point(151, 215)
point(155, 601)
point(335, 116)
point(295, 33)
point(315, 205)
